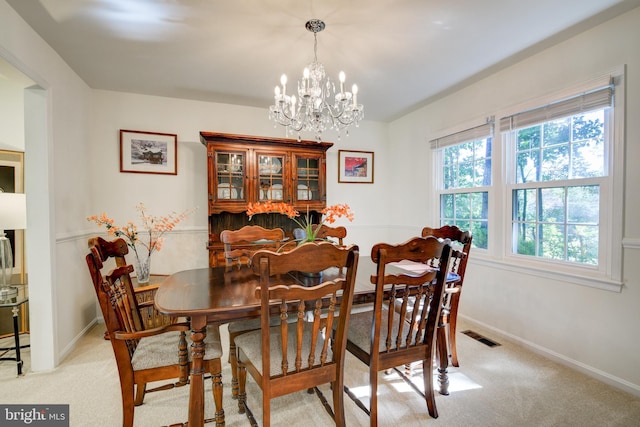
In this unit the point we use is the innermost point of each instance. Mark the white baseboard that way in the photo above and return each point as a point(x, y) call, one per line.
point(71, 346)
point(605, 377)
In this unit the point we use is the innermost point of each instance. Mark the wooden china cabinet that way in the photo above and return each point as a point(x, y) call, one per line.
point(244, 169)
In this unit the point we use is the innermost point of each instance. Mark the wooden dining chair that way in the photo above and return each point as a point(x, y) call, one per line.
point(384, 338)
point(116, 251)
point(461, 246)
point(331, 233)
point(147, 347)
point(302, 353)
point(239, 246)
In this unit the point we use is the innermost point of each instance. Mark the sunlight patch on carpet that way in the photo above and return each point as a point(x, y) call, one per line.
point(360, 392)
point(402, 387)
point(457, 381)
point(460, 382)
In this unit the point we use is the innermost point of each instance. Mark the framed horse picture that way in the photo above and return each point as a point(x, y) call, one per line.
point(148, 152)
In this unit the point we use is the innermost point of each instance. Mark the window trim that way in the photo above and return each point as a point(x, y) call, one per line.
point(608, 274)
point(585, 101)
point(461, 134)
point(466, 135)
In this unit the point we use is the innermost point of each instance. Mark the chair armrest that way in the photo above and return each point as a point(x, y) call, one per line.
point(151, 332)
point(147, 288)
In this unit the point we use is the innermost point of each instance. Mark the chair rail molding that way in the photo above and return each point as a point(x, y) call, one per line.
point(631, 243)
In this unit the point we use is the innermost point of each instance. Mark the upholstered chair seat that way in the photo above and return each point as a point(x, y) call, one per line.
point(159, 350)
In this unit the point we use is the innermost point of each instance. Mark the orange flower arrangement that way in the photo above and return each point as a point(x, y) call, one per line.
point(155, 227)
point(329, 215)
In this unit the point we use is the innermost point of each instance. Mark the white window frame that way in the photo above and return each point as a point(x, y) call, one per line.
point(459, 135)
point(608, 274)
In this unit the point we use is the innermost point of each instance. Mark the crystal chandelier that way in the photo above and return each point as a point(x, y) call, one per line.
point(318, 105)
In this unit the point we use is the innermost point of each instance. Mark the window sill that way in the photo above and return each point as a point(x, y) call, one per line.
point(594, 281)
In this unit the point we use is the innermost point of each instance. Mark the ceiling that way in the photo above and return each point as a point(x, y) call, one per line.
point(401, 53)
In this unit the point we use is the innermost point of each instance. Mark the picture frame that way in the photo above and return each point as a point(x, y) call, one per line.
point(355, 166)
point(148, 152)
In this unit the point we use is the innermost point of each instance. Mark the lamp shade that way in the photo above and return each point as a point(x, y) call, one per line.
point(13, 211)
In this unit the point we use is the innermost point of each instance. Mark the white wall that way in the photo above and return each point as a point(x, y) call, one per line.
point(12, 84)
point(593, 330)
point(56, 135)
point(117, 193)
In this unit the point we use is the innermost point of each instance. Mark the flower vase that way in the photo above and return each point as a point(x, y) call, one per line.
point(143, 268)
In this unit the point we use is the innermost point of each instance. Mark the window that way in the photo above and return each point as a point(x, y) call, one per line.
point(557, 215)
point(545, 197)
point(559, 187)
point(464, 180)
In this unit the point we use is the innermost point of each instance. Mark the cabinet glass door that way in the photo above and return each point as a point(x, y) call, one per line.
point(308, 178)
point(230, 173)
point(271, 177)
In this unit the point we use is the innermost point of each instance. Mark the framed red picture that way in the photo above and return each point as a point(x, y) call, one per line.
point(355, 166)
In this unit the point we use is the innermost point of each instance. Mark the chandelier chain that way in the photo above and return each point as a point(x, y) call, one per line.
point(315, 47)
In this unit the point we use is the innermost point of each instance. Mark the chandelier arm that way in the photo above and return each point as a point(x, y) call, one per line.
point(297, 128)
point(347, 123)
point(338, 116)
point(284, 110)
point(339, 111)
point(334, 114)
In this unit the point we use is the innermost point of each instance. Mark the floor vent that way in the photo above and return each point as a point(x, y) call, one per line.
point(484, 340)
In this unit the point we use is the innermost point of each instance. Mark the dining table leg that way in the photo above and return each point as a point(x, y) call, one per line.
point(443, 360)
point(196, 391)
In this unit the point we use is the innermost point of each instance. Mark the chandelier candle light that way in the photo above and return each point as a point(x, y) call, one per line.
point(318, 106)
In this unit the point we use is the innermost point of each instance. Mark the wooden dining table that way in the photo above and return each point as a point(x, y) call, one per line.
point(223, 294)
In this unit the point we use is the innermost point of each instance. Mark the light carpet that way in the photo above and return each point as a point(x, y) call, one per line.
point(494, 386)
